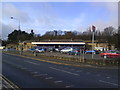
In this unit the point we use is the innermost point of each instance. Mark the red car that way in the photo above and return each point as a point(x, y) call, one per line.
point(110, 54)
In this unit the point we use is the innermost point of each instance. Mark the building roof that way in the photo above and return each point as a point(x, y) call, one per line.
point(65, 43)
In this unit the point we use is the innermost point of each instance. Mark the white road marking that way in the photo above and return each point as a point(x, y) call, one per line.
point(65, 71)
point(49, 78)
point(32, 62)
point(57, 81)
point(109, 83)
point(107, 77)
point(68, 86)
point(34, 72)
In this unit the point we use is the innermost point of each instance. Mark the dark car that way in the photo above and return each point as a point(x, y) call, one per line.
point(74, 52)
point(51, 49)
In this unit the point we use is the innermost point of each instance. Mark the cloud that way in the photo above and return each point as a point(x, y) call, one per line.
point(6, 29)
point(10, 10)
point(59, 0)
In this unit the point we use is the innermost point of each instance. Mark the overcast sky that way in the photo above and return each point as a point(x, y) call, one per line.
point(65, 16)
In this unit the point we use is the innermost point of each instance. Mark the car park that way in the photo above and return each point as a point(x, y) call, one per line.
point(110, 54)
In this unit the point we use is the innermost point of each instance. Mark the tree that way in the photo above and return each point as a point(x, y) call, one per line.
point(18, 35)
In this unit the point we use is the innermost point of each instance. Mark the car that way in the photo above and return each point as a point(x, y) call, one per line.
point(90, 52)
point(31, 50)
point(51, 49)
point(74, 52)
point(40, 50)
point(66, 50)
point(110, 54)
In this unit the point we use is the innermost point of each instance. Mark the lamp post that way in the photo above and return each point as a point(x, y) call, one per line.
point(93, 32)
point(18, 22)
point(19, 46)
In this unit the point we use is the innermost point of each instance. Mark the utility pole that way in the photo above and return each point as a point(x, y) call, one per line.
point(93, 32)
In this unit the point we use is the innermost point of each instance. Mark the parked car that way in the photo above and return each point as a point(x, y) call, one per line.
point(51, 49)
point(40, 50)
point(90, 52)
point(110, 54)
point(66, 50)
point(74, 52)
point(31, 50)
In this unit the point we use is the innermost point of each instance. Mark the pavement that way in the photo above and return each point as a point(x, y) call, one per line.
point(30, 73)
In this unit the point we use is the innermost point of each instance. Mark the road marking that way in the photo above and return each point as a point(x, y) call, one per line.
point(34, 72)
point(109, 83)
point(107, 77)
point(58, 81)
point(44, 60)
point(65, 71)
point(49, 78)
point(68, 86)
point(43, 74)
point(9, 83)
point(32, 62)
point(4, 86)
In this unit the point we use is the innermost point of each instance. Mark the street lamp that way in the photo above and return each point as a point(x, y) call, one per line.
point(20, 47)
point(18, 21)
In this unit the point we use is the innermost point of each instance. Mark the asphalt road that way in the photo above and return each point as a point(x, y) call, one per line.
point(29, 73)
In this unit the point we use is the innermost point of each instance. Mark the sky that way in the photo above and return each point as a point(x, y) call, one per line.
point(65, 16)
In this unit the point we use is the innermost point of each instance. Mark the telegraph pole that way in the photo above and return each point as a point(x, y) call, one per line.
point(93, 33)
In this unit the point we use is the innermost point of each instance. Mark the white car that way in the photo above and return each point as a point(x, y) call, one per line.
point(66, 50)
point(39, 50)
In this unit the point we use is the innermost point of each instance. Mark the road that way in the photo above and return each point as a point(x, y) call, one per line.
point(29, 73)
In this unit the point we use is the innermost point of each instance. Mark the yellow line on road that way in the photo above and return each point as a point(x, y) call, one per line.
point(44, 60)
